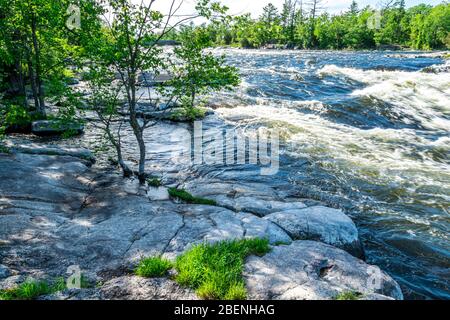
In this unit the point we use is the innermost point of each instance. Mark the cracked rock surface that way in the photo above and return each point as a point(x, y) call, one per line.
point(56, 212)
point(310, 270)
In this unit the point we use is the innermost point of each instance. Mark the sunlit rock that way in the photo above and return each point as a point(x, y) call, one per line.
point(309, 270)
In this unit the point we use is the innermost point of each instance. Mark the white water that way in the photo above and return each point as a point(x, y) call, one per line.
point(377, 130)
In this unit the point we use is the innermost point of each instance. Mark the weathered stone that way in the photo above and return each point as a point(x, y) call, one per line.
point(208, 188)
point(53, 151)
point(42, 183)
point(319, 223)
point(309, 270)
point(150, 79)
point(256, 227)
point(158, 194)
point(73, 294)
point(212, 224)
point(264, 207)
point(250, 197)
point(65, 214)
point(136, 288)
point(54, 127)
point(4, 272)
point(375, 297)
point(11, 282)
point(445, 68)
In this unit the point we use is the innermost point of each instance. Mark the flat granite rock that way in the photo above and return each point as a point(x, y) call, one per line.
point(4, 272)
point(56, 212)
point(136, 288)
point(48, 150)
point(65, 215)
point(309, 270)
point(255, 198)
point(54, 127)
point(128, 288)
point(213, 224)
point(320, 223)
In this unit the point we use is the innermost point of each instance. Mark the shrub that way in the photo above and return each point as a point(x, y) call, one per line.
point(215, 270)
point(17, 116)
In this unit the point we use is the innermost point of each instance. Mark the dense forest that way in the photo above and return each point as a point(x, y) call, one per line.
point(305, 24)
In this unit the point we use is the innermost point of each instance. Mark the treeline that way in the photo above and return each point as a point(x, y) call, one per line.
point(306, 25)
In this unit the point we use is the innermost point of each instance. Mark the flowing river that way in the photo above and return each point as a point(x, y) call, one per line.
point(367, 132)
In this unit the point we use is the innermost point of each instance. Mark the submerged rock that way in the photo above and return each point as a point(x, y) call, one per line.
point(309, 270)
point(440, 68)
point(320, 223)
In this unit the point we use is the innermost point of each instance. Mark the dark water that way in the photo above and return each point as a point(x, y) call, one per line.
point(366, 132)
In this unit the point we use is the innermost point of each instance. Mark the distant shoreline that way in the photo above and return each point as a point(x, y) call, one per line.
point(445, 53)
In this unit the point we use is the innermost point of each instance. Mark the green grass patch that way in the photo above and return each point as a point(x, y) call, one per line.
point(348, 295)
point(31, 289)
point(214, 271)
point(154, 182)
point(185, 196)
point(153, 267)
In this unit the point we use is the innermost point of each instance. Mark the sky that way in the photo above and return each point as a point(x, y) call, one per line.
point(238, 7)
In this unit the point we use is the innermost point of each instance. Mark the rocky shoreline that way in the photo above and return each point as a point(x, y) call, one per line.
point(56, 211)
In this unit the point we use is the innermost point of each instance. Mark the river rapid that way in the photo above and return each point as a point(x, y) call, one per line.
point(366, 132)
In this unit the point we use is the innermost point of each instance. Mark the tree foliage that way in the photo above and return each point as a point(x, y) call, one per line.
point(115, 47)
point(305, 24)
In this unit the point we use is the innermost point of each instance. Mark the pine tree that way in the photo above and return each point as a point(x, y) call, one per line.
point(315, 8)
point(270, 14)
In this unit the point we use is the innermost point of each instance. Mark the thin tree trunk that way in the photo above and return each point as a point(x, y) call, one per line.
point(127, 172)
point(38, 79)
point(32, 77)
point(138, 131)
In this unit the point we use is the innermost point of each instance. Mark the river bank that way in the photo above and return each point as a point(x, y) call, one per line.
point(58, 211)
